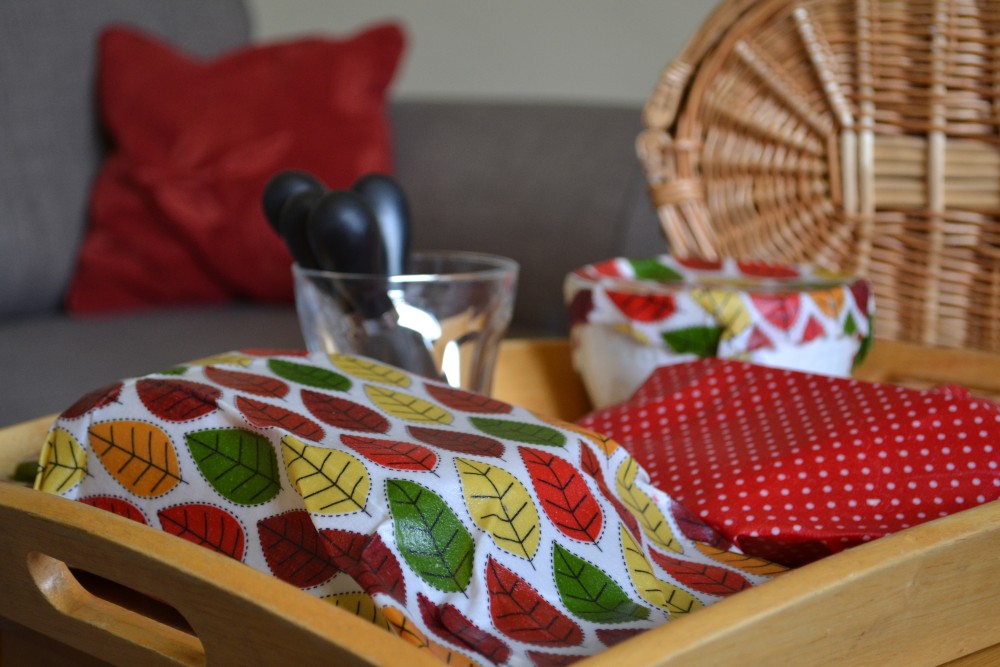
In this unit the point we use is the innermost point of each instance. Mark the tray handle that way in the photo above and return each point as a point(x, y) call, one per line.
point(172, 602)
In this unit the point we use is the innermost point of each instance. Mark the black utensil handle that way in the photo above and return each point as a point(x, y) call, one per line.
point(293, 227)
point(281, 187)
point(388, 202)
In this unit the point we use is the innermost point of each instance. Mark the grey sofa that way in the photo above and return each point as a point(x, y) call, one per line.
point(551, 185)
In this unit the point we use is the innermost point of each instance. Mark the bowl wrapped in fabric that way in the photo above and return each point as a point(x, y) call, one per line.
point(475, 528)
point(629, 316)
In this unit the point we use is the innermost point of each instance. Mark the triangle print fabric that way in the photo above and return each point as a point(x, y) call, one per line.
point(475, 529)
point(629, 316)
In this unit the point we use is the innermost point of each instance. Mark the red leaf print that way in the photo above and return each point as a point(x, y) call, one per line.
point(272, 352)
point(395, 454)
point(565, 496)
point(699, 264)
point(457, 441)
point(519, 612)
point(466, 401)
point(580, 307)
point(710, 579)
point(553, 659)
point(758, 340)
point(693, 528)
point(644, 307)
point(264, 415)
point(780, 310)
point(608, 267)
point(342, 413)
point(763, 270)
point(612, 636)
point(250, 383)
point(861, 292)
point(448, 623)
point(207, 526)
point(367, 560)
point(116, 506)
point(177, 400)
point(592, 466)
point(813, 330)
point(93, 400)
point(293, 549)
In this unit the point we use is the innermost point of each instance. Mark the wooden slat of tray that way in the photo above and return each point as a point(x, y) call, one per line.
point(925, 596)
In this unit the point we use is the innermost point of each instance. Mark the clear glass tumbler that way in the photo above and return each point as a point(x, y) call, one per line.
point(443, 319)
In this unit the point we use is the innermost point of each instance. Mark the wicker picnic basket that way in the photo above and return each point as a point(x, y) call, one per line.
point(856, 135)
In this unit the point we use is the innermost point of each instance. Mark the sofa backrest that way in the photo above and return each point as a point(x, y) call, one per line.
point(554, 186)
point(50, 143)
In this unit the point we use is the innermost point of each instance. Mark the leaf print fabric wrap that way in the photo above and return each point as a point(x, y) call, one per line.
point(475, 529)
point(630, 316)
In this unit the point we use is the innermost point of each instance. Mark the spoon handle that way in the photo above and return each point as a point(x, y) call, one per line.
point(388, 202)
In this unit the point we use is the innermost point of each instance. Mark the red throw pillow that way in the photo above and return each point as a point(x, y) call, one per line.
point(176, 212)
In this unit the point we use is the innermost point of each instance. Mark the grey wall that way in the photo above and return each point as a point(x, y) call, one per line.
point(571, 50)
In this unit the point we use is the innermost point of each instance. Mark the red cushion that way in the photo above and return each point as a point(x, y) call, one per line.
point(175, 212)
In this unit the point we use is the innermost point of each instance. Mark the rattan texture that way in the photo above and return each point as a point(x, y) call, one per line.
point(861, 136)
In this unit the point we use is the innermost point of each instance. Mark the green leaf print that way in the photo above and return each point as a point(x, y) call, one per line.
point(432, 539)
point(652, 269)
point(311, 376)
point(588, 592)
point(532, 434)
point(239, 464)
point(700, 341)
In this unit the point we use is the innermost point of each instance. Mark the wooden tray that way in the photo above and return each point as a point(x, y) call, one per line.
point(84, 587)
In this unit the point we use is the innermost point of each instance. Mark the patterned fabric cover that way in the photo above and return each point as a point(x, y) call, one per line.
point(478, 530)
point(629, 316)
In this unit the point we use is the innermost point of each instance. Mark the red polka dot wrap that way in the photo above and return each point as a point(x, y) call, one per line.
point(791, 466)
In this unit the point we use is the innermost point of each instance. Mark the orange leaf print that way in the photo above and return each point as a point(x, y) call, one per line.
point(830, 302)
point(748, 564)
point(139, 455)
point(602, 442)
point(409, 631)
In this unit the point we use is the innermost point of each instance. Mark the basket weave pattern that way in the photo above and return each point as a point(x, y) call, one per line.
point(857, 135)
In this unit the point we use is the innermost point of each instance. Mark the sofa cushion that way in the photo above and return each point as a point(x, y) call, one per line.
point(175, 212)
point(49, 143)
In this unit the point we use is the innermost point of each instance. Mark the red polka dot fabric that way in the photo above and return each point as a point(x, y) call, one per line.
point(791, 466)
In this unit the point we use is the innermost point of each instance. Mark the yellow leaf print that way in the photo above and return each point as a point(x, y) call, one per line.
point(632, 333)
point(726, 307)
point(748, 564)
point(231, 358)
point(407, 407)
point(651, 588)
point(139, 455)
point(361, 605)
point(500, 505)
point(63, 463)
point(330, 481)
point(363, 369)
point(654, 523)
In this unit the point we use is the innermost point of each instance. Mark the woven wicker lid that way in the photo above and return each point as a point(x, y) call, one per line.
point(856, 135)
